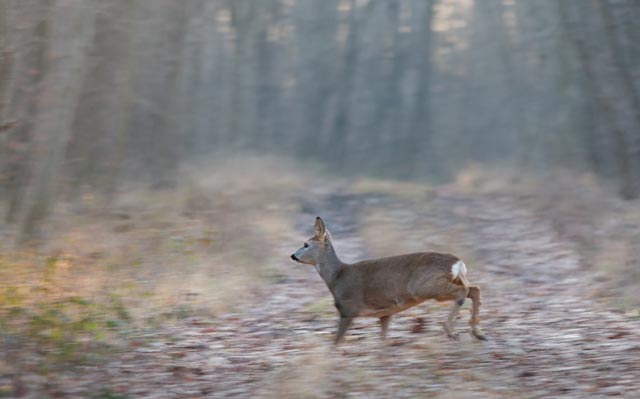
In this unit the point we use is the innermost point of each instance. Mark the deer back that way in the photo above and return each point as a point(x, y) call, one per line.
point(388, 285)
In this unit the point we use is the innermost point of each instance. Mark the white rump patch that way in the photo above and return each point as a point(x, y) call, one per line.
point(457, 268)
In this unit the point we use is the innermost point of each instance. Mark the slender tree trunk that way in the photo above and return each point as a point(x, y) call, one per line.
point(598, 122)
point(264, 94)
point(6, 68)
point(30, 46)
point(242, 16)
point(419, 124)
point(607, 81)
point(338, 126)
point(167, 146)
point(72, 25)
point(627, 104)
point(119, 104)
point(316, 24)
point(6, 58)
point(385, 121)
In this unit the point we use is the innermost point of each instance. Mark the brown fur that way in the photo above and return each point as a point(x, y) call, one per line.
point(385, 286)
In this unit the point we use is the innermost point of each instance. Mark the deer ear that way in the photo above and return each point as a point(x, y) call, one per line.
point(320, 228)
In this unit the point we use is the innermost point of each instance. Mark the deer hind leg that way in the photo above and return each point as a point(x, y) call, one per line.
point(345, 322)
point(384, 324)
point(449, 326)
point(474, 295)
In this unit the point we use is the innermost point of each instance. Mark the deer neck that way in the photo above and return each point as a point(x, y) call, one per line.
point(329, 265)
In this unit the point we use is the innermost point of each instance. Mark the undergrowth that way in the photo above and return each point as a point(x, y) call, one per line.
point(42, 316)
point(104, 281)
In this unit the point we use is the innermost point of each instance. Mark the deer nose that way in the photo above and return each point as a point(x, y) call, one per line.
point(293, 256)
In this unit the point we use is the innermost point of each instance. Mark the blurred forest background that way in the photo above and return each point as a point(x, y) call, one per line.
point(94, 93)
point(138, 137)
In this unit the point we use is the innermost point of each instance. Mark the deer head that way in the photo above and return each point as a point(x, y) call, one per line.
point(314, 248)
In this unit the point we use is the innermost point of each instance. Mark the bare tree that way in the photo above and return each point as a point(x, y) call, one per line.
point(72, 26)
point(26, 64)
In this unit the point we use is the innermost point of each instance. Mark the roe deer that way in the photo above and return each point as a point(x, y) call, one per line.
point(382, 287)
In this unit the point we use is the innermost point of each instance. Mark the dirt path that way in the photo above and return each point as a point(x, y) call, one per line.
point(548, 337)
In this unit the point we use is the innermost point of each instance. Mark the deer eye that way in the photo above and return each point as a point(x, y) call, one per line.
point(306, 245)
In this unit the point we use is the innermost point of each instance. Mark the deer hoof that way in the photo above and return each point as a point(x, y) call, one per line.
point(478, 334)
point(452, 335)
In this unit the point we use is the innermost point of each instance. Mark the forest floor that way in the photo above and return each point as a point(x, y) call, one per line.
point(551, 327)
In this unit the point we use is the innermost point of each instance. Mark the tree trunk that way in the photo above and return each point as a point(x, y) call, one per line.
point(418, 129)
point(338, 126)
point(627, 104)
point(29, 49)
point(72, 25)
point(607, 81)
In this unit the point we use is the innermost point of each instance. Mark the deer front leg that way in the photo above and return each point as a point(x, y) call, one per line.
point(342, 328)
point(384, 324)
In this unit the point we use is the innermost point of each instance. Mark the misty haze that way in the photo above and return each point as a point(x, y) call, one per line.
point(163, 162)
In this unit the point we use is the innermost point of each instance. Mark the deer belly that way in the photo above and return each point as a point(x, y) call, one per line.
point(396, 307)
